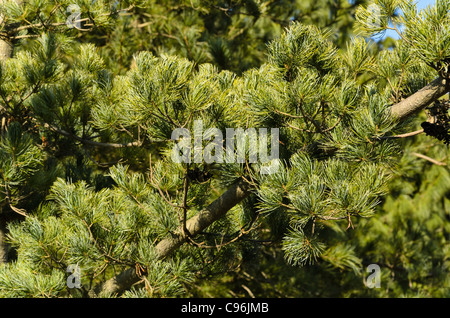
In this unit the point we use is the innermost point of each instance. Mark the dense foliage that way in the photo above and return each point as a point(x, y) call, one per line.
point(88, 179)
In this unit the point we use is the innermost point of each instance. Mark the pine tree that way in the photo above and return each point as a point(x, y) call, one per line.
point(87, 147)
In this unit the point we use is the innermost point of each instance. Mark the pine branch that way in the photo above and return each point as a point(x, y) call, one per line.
point(38, 25)
point(420, 99)
point(241, 190)
point(194, 225)
point(93, 143)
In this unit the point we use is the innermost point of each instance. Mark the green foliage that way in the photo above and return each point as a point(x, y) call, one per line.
point(20, 158)
point(411, 235)
point(86, 141)
point(21, 281)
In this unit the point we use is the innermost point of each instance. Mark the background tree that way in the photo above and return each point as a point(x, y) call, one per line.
point(87, 140)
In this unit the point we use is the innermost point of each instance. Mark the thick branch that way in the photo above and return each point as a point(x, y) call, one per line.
point(420, 99)
point(194, 225)
point(201, 221)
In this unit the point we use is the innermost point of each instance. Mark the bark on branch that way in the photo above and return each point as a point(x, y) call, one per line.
point(420, 99)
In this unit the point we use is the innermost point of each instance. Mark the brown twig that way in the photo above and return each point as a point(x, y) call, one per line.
point(410, 134)
point(439, 163)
